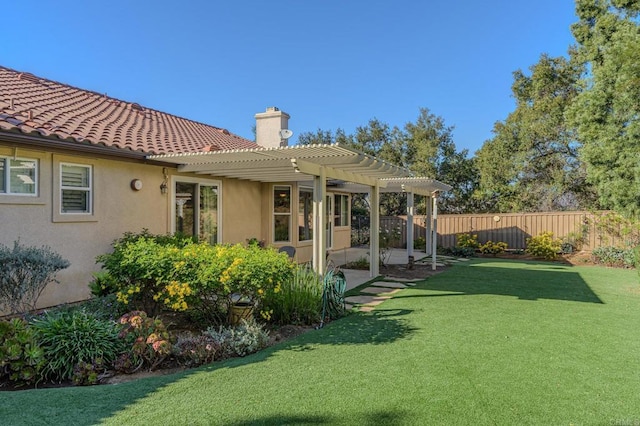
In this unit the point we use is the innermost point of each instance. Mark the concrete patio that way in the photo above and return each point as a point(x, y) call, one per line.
point(356, 277)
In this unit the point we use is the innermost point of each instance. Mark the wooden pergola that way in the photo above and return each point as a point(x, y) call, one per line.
point(360, 173)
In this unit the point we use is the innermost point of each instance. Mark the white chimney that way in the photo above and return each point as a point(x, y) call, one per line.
point(272, 128)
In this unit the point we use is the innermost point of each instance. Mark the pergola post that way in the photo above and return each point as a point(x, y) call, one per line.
point(428, 226)
point(374, 233)
point(434, 238)
point(410, 257)
point(319, 222)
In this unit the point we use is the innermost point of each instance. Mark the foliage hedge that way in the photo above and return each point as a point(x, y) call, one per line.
point(544, 245)
point(154, 273)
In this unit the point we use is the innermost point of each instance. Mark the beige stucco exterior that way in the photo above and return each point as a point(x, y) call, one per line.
point(246, 212)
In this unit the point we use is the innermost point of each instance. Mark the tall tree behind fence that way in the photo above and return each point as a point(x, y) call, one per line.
point(512, 228)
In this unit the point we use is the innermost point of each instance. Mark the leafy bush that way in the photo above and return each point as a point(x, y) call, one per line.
point(242, 340)
point(493, 248)
point(299, 300)
point(467, 240)
point(389, 238)
point(21, 357)
point(192, 351)
point(89, 373)
point(152, 276)
point(24, 273)
point(419, 243)
point(544, 245)
point(147, 340)
point(457, 251)
point(360, 263)
point(71, 337)
point(614, 256)
point(103, 284)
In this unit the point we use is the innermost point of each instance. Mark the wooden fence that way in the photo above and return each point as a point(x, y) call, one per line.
point(512, 228)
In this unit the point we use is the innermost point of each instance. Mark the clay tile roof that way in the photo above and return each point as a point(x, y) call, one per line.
point(45, 108)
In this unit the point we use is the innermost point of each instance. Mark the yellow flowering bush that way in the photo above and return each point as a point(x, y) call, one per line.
point(467, 240)
point(158, 273)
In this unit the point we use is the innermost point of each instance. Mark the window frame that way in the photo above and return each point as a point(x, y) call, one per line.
point(338, 214)
point(300, 205)
point(87, 189)
point(198, 182)
point(274, 214)
point(6, 191)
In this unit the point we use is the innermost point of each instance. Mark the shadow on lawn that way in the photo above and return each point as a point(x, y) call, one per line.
point(532, 282)
point(390, 418)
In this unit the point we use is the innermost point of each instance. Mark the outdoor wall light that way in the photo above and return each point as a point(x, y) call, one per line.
point(163, 188)
point(136, 184)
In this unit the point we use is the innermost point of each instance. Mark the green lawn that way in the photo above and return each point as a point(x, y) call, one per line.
point(487, 342)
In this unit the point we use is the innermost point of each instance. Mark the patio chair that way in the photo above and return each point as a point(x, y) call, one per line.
point(290, 250)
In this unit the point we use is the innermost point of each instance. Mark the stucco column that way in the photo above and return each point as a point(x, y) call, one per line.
point(374, 232)
point(410, 212)
point(319, 222)
point(434, 238)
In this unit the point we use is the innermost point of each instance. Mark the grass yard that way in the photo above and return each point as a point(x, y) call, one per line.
point(488, 342)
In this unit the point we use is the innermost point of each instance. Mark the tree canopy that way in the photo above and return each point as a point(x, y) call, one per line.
point(607, 112)
point(425, 146)
point(532, 162)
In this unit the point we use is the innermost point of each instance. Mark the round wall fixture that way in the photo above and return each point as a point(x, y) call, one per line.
point(136, 184)
point(496, 218)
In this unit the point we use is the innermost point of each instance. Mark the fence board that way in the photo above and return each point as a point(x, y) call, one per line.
point(512, 228)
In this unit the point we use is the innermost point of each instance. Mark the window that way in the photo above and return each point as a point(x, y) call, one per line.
point(18, 176)
point(75, 188)
point(197, 210)
point(341, 212)
point(305, 214)
point(281, 213)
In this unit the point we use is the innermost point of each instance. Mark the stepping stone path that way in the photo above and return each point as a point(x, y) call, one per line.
point(380, 291)
point(374, 295)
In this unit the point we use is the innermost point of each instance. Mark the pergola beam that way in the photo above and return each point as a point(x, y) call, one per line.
point(314, 169)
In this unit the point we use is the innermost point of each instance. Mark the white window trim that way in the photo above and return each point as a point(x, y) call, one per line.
point(7, 176)
point(207, 182)
point(348, 214)
point(88, 189)
point(306, 189)
point(274, 214)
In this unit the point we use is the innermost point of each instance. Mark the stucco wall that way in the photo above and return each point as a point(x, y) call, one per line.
point(80, 238)
point(117, 208)
point(241, 211)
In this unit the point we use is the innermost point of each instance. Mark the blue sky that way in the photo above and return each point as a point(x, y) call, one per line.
point(329, 64)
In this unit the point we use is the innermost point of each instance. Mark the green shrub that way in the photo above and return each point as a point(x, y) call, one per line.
point(419, 243)
point(71, 337)
point(147, 342)
point(21, 357)
point(89, 373)
point(152, 276)
point(193, 351)
point(458, 251)
point(103, 284)
point(24, 273)
point(493, 248)
point(467, 240)
point(614, 256)
point(544, 245)
point(360, 263)
point(241, 340)
point(299, 300)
